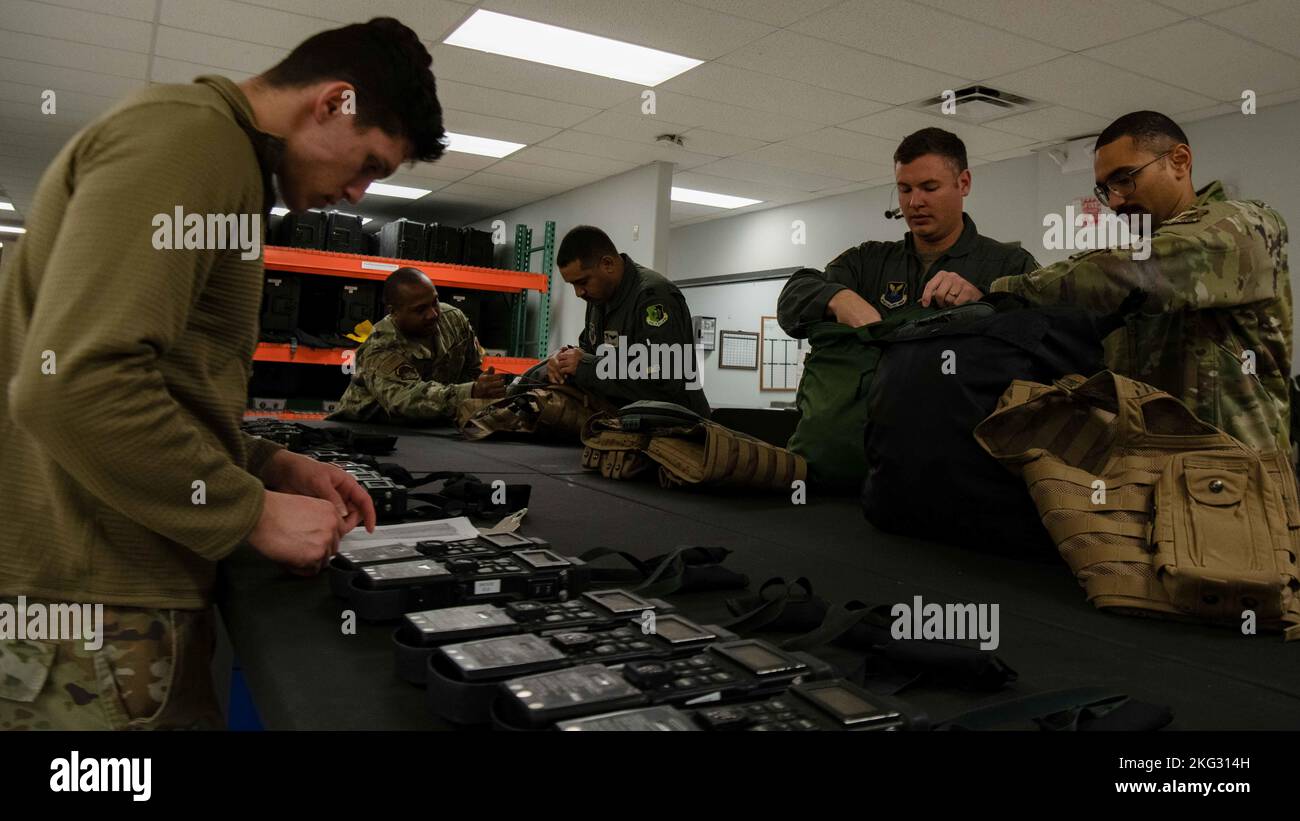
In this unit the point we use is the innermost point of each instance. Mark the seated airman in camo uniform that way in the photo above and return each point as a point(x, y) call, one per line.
point(420, 362)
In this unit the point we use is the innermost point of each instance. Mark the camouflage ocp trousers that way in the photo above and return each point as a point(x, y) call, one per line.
point(152, 672)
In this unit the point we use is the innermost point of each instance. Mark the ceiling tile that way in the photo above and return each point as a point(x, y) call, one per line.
point(678, 211)
point(1216, 110)
point(439, 171)
point(555, 176)
point(814, 162)
point(1274, 23)
point(51, 52)
point(481, 125)
point(780, 13)
point(1199, 7)
point(719, 145)
point(1097, 88)
point(483, 193)
point(923, 36)
point(721, 117)
point(54, 131)
point(638, 153)
point(737, 86)
point(736, 188)
point(503, 182)
point(668, 25)
point(1066, 24)
point(897, 123)
point(495, 102)
point(469, 162)
point(1200, 57)
point(221, 52)
point(1051, 123)
point(630, 127)
point(851, 144)
point(769, 175)
point(28, 98)
point(491, 70)
point(253, 23)
point(571, 161)
point(76, 25)
point(179, 71)
point(132, 9)
point(840, 68)
point(67, 79)
point(998, 156)
point(432, 20)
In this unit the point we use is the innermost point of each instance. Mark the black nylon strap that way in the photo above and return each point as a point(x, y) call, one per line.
point(686, 567)
point(1055, 710)
point(765, 611)
point(863, 627)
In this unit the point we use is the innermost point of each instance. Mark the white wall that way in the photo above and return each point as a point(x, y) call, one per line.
point(635, 200)
point(1254, 156)
point(737, 308)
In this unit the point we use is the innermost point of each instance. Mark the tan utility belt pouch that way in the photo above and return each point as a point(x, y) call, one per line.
point(1155, 511)
point(698, 453)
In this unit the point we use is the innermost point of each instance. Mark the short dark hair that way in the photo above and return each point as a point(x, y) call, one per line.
point(390, 69)
point(398, 280)
point(932, 141)
point(1150, 130)
point(585, 243)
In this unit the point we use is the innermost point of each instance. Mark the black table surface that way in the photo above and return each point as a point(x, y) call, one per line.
point(305, 673)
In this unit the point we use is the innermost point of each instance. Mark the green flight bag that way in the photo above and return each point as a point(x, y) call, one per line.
point(832, 397)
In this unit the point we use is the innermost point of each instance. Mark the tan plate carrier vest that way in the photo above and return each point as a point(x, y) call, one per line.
point(557, 411)
point(1156, 512)
point(702, 453)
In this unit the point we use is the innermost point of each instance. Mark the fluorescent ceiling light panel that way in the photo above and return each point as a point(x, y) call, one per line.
point(383, 189)
point(12, 229)
point(483, 146)
point(6, 206)
point(565, 48)
point(709, 198)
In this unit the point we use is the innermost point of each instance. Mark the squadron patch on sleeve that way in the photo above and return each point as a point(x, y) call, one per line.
point(656, 315)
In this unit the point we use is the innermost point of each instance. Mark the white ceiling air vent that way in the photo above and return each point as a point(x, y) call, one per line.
point(976, 104)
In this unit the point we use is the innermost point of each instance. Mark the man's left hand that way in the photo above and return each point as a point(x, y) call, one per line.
point(288, 472)
point(563, 363)
point(946, 289)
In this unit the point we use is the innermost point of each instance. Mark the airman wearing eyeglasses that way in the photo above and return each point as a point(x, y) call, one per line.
point(1215, 328)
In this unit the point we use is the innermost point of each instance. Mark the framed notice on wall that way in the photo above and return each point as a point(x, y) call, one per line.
point(782, 358)
point(739, 350)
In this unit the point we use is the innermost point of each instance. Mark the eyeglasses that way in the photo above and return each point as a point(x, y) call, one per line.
point(1123, 183)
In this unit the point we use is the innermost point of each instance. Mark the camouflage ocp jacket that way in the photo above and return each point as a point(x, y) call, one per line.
point(1215, 330)
point(401, 380)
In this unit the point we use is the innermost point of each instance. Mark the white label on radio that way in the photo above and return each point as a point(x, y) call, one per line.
point(485, 587)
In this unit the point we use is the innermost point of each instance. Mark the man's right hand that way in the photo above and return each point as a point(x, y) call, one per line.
point(488, 386)
point(850, 309)
point(297, 532)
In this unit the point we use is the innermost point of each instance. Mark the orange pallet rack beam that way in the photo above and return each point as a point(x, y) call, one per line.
point(282, 352)
point(356, 266)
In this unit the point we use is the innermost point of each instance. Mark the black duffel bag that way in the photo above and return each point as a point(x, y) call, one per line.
point(938, 378)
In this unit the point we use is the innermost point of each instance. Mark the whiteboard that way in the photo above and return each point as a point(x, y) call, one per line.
point(781, 367)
